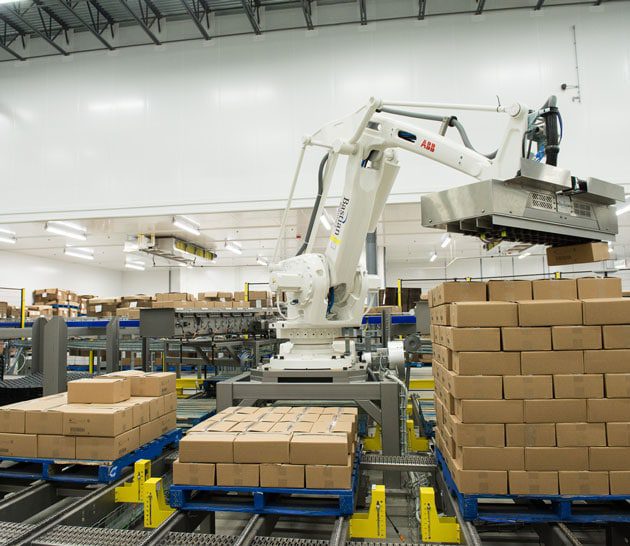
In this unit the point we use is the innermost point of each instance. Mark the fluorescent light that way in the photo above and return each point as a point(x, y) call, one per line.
point(233, 246)
point(134, 265)
point(524, 255)
point(623, 209)
point(71, 225)
point(76, 252)
point(7, 231)
point(8, 239)
point(325, 221)
point(262, 261)
point(446, 240)
point(610, 247)
point(187, 224)
point(67, 229)
point(131, 246)
point(433, 256)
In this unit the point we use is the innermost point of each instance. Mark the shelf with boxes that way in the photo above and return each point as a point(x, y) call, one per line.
point(253, 459)
point(533, 386)
point(93, 431)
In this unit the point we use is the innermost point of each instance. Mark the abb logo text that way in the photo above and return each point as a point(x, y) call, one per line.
point(428, 145)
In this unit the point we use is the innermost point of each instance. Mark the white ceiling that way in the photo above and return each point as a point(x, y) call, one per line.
point(399, 230)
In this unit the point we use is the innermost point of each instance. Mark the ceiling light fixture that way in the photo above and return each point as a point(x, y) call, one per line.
point(625, 208)
point(7, 236)
point(610, 247)
point(262, 261)
point(136, 266)
point(234, 247)
point(67, 229)
point(325, 220)
point(446, 240)
point(187, 224)
point(524, 255)
point(433, 256)
point(131, 246)
point(78, 252)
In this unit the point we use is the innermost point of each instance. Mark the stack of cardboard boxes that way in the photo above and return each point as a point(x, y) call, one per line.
point(533, 385)
point(55, 302)
point(101, 418)
point(291, 447)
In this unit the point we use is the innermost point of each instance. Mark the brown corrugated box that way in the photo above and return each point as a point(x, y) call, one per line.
point(443, 355)
point(458, 291)
point(193, 473)
point(607, 361)
point(486, 363)
point(616, 336)
point(526, 339)
point(584, 483)
point(281, 475)
point(576, 337)
point(38, 417)
point(552, 362)
point(533, 483)
point(609, 458)
point(530, 435)
point(618, 434)
point(580, 434)
point(492, 482)
point(174, 296)
point(509, 290)
point(606, 311)
point(577, 254)
point(554, 289)
point(484, 314)
point(590, 288)
point(556, 458)
point(261, 448)
point(555, 411)
point(489, 411)
point(207, 447)
point(549, 313)
point(482, 387)
point(86, 420)
point(238, 475)
point(147, 384)
point(325, 449)
point(604, 410)
point(323, 476)
point(98, 391)
point(490, 458)
point(578, 386)
point(482, 435)
point(18, 445)
point(472, 339)
point(12, 418)
point(56, 447)
point(107, 449)
point(521, 387)
point(620, 482)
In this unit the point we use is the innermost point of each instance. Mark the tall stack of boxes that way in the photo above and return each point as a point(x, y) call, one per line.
point(101, 418)
point(533, 385)
point(290, 447)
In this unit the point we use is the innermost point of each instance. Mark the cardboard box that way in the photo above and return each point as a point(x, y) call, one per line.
point(90, 420)
point(556, 458)
point(472, 339)
point(584, 483)
point(207, 447)
point(12, 418)
point(609, 458)
point(261, 448)
point(554, 289)
point(485, 363)
point(552, 362)
point(619, 482)
point(616, 336)
point(532, 483)
point(554, 411)
point(149, 431)
point(174, 296)
point(238, 475)
point(98, 391)
point(40, 417)
point(147, 384)
point(324, 449)
point(577, 254)
point(193, 473)
point(509, 290)
point(577, 337)
point(606, 311)
point(494, 482)
point(56, 447)
point(473, 435)
point(489, 411)
point(580, 434)
point(282, 475)
point(490, 458)
point(604, 410)
point(323, 476)
point(526, 339)
point(482, 387)
point(592, 288)
point(484, 314)
point(607, 361)
point(549, 313)
point(618, 434)
point(530, 435)
point(107, 449)
point(578, 386)
point(449, 292)
point(170, 402)
point(521, 387)
point(18, 445)
point(443, 355)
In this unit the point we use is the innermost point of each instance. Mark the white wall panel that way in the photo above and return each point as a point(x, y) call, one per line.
point(208, 125)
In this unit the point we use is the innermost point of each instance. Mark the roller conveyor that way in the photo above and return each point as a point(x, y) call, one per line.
point(10, 529)
point(401, 463)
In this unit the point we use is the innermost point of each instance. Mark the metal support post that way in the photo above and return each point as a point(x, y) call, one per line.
point(112, 345)
point(146, 354)
point(55, 355)
point(390, 428)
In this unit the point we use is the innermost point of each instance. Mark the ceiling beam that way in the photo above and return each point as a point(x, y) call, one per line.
point(422, 8)
point(143, 25)
point(308, 14)
point(5, 42)
point(480, 5)
point(44, 35)
point(539, 5)
point(363, 11)
point(197, 12)
point(249, 11)
point(92, 28)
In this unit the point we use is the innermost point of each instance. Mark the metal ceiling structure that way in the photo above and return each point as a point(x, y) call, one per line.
point(55, 26)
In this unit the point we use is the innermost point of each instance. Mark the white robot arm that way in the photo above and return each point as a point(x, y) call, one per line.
point(326, 292)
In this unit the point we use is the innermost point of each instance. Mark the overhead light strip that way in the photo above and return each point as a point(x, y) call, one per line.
point(186, 224)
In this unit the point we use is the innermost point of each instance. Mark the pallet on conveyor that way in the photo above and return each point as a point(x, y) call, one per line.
point(83, 471)
point(511, 509)
point(268, 500)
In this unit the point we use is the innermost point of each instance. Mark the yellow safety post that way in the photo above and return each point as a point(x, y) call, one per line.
point(91, 362)
point(558, 275)
point(132, 491)
point(399, 290)
point(155, 508)
point(433, 527)
point(246, 292)
point(374, 443)
point(414, 442)
point(373, 523)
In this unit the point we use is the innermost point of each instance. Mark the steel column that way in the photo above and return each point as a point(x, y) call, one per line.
point(55, 356)
point(390, 427)
point(112, 345)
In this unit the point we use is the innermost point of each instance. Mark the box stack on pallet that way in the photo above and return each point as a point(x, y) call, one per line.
point(288, 447)
point(533, 386)
point(102, 418)
point(54, 302)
